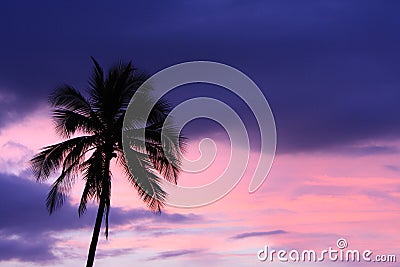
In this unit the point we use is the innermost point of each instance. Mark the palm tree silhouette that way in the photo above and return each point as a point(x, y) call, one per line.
point(92, 127)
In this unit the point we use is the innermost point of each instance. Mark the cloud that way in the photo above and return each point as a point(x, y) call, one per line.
point(387, 196)
point(253, 234)
point(26, 211)
point(25, 222)
point(179, 218)
point(370, 150)
point(120, 216)
point(26, 249)
point(26, 228)
point(6, 97)
point(114, 252)
point(14, 157)
point(325, 190)
point(173, 254)
point(393, 168)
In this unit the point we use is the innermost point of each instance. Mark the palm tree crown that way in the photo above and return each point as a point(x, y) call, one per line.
point(92, 127)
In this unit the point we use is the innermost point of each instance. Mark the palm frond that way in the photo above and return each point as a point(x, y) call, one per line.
point(140, 174)
point(55, 198)
point(51, 158)
point(72, 112)
point(71, 160)
point(93, 173)
point(88, 193)
point(135, 81)
point(164, 145)
point(61, 188)
point(69, 122)
point(68, 97)
point(96, 82)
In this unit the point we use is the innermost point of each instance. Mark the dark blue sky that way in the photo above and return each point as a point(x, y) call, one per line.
point(330, 69)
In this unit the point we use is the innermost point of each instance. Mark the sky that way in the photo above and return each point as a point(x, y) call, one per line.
point(330, 71)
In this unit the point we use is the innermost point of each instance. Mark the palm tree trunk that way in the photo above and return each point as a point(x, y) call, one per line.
point(96, 232)
point(100, 213)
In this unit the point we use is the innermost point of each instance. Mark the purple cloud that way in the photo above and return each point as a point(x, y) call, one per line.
point(173, 254)
point(27, 248)
point(393, 168)
point(26, 217)
point(253, 234)
point(369, 150)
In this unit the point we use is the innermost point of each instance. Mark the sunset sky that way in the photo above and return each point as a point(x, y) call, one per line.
point(330, 71)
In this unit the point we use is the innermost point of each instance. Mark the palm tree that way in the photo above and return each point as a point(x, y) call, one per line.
point(92, 126)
